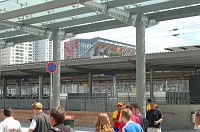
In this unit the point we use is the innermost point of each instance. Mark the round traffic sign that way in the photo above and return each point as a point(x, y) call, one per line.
point(51, 67)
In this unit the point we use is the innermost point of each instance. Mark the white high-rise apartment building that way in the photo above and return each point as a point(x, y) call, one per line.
point(37, 51)
point(43, 50)
point(19, 54)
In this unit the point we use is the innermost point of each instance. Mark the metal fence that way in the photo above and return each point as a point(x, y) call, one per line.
point(107, 103)
point(22, 103)
point(98, 102)
point(178, 98)
point(95, 103)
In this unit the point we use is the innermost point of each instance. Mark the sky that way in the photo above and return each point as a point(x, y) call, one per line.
point(157, 37)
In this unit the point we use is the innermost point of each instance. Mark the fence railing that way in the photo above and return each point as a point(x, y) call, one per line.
point(101, 102)
point(95, 103)
point(22, 103)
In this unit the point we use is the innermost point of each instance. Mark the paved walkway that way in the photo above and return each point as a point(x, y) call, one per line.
point(84, 129)
point(78, 129)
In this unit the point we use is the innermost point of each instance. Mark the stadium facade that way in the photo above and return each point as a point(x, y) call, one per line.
point(96, 48)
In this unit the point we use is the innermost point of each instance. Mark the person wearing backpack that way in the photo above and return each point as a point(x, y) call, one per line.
point(57, 116)
point(143, 121)
point(39, 123)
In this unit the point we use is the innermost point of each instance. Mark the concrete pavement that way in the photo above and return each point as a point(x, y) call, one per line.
point(85, 129)
point(78, 129)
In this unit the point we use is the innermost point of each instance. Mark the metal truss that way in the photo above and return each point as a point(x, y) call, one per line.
point(118, 14)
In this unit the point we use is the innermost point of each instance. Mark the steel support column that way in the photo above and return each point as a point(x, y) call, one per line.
point(114, 85)
point(1, 87)
point(196, 71)
point(4, 81)
point(2, 43)
point(185, 85)
point(56, 75)
point(151, 83)
point(90, 81)
point(140, 64)
point(41, 80)
point(20, 87)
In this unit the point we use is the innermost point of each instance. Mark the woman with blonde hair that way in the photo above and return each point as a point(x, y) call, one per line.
point(103, 123)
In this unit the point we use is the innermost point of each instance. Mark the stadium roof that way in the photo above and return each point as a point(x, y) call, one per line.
point(103, 40)
point(75, 16)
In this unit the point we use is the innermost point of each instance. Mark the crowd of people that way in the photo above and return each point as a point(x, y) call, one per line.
point(126, 118)
point(41, 122)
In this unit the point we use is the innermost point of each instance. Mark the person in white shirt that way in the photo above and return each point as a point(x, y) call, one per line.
point(9, 124)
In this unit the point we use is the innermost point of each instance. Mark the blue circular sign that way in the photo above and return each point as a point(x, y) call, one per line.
point(51, 67)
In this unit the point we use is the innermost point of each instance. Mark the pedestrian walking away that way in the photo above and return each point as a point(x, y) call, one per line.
point(57, 117)
point(143, 121)
point(116, 115)
point(9, 124)
point(103, 123)
point(130, 125)
point(40, 121)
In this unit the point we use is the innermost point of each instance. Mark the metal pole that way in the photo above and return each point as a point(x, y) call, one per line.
point(41, 87)
point(90, 83)
point(4, 85)
point(151, 84)
point(51, 92)
point(140, 64)
point(56, 76)
point(196, 71)
point(20, 87)
point(114, 86)
point(0, 73)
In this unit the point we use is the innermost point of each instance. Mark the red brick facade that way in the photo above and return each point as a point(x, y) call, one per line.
point(82, 118)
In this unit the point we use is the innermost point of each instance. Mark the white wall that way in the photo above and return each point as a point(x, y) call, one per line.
point(178, 116)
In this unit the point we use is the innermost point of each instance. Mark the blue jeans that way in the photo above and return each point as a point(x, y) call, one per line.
point(116, 129)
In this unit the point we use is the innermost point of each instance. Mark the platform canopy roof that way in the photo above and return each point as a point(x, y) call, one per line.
point(182, 48)
point(75, 16)
point(180, 61)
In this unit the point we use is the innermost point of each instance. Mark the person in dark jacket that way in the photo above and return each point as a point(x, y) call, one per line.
point(57, 116)
point(40, 120)
point(154, 117)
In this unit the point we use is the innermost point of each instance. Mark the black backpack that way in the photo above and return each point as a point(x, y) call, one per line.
point(58, 130)
point(144, 123)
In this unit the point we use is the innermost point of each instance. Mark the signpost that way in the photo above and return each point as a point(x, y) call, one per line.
point(51, 67)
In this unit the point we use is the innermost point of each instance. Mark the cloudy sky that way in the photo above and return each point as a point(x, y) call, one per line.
point(157, 37)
